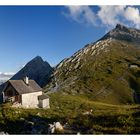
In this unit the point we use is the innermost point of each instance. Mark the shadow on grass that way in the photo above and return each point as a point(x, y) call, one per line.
point(107, 124)
point(29, 125)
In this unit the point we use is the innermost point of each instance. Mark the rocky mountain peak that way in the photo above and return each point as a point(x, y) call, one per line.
point(121, 32)
point(120, 27)
point(37, 59)
point(36, 69)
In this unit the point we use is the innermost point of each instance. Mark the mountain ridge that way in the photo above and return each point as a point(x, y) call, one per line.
point(121, 32)
point(91, 70)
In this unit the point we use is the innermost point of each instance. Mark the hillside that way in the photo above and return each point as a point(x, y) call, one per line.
point(105, 71)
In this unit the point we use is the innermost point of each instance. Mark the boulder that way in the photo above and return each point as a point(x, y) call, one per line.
point(58, 126)
point(55, 128)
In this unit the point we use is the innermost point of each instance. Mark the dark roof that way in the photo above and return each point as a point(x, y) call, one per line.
point(21, 87)
point(41, 97)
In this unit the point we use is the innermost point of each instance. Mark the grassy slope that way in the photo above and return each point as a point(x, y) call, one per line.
point(104, 118)
point(104, 77)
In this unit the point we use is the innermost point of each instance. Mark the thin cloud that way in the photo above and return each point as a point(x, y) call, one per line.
point(8, 73)
point(132, 14)
point(110, 15)
point(107, 16)
point(81, 14)
point(5, 76)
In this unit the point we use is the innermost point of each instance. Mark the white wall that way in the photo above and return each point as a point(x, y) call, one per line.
point(44, 103)
point(30, 99)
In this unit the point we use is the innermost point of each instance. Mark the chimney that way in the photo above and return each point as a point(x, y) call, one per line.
point(26, 80)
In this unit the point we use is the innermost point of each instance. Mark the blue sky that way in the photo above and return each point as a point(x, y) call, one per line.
point(55, 32)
